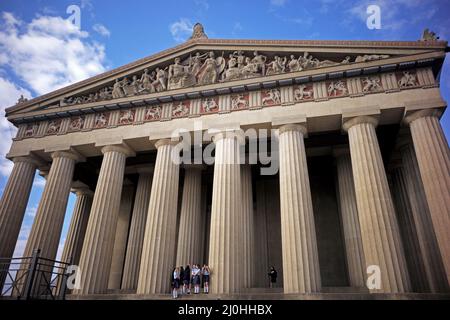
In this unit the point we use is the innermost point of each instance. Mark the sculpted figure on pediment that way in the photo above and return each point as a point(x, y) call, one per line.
point(277, 65)
point(146, 83)
point(117, 91)
point(260, 62)
point(370, 57)
point(294, 64)
point(211, 69)
point(179, 75)
point(160, 82)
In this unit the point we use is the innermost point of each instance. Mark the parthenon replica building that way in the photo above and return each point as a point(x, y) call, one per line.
point(350, 177)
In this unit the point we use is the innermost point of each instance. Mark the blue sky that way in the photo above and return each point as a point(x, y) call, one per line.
point(40, 50)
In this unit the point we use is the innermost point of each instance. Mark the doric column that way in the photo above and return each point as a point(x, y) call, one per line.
point(137, 230)
point(350, 220)
point(407, 228)
point(14, 202)
point(247, 225)
point(433, 157)
point(429, 248)
point(95, 261)
point(121, 236)
point(379, 229)
point(261, 256)
point(299, 244)
point(225, 245)
point(190, 233)
point(158, 252)
point(78, 225)
point(47, 226)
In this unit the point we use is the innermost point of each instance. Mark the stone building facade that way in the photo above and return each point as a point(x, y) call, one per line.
point(362, 175)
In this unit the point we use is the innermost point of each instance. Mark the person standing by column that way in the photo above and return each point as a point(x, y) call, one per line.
point(206, 272)
point(187, 280)
point(196, 278)
point(176, 282)
point(273, 276)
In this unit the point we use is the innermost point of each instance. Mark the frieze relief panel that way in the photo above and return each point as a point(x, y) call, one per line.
point(253, 100)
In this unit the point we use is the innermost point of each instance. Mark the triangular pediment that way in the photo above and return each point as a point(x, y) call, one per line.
point(205, 65)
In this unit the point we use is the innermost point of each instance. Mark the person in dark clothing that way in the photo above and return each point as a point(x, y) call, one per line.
point(181, 278)
point(187, 280)
point(273, 276)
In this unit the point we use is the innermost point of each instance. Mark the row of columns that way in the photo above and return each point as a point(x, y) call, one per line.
point(371, 231)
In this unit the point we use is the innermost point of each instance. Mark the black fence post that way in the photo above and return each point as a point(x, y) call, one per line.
point(31, 274)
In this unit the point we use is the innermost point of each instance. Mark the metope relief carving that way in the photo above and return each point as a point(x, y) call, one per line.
point(204, 68)
point(30, 130)
point(180, 109)
point(101, 120)
point(407, 79)
point(371, 84)
point(303, 92)
point(240, 101)
point(337, 88)
point(126, 117)
point(271, 97)
point(153, 113)
point(54, 126)
point(76, 123)
point(209, 105)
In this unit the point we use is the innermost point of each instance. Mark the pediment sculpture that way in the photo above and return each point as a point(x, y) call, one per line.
point(203, 68)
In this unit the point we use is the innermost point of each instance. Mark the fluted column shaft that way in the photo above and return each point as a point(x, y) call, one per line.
point(260, 237)
point(429, 248)
point(225, 245)
point(77, 228)
point(95, 261)
point(433, 157)
point(14, 202)
point(379, 228)
point(137, 230)
point(247, 225)
point(158, 252)
point(47, 226)
point(350, 221)
point(190, 233)
point(299, 244)
point(408, 232)
point(121, 237)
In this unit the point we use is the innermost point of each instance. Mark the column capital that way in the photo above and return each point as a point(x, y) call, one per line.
point(70, 153)
point(30, 159)
point(350, 122)
point(293, 127)
point(122, 148)
point(238, 134)
point(409, 118)
point(165, 142)
point(79, 188)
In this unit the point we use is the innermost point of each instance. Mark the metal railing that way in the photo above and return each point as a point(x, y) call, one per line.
point(33, 277)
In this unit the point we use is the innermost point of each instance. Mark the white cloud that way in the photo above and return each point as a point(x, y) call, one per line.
point(39, 182)
point(22, 240)
point(181, 30)
point(202, 3)
point(49, 52)
point(278, 3)
point(31, 211)
point(393, 16)
point(237, 27)
point(101, 29)
point(9, 93)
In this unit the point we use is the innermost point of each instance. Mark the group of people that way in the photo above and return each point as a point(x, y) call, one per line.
point(184, 278)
